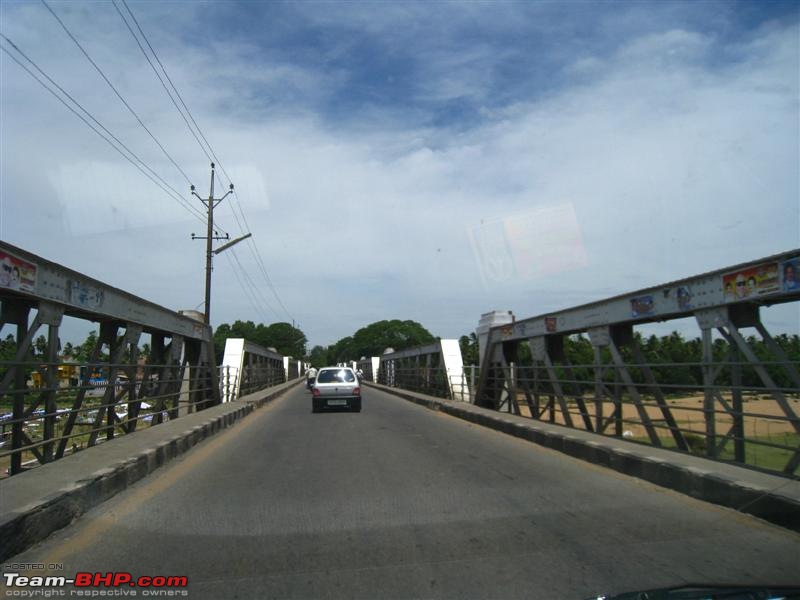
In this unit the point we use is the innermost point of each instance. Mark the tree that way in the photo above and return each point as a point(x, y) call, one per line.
point(40, 347)
point(8, 352)
point(83, 352)
point(341, 351)
point(373, 339)
point(318, 357)
point(469, 349)
point(284, 337)
point(222, 333)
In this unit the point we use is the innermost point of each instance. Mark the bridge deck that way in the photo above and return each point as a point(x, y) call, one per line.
point(769, 496)
point(399, 501)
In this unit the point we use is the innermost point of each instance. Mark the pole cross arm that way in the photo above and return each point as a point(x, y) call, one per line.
point(231, 243)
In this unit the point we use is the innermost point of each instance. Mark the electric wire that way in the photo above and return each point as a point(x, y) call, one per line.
point(249, 287)
point(252, 285)
point(177, 93)
point(242, 228)
point(111, 85)
point(154, 177)
point(248, 294)
point(160, 78)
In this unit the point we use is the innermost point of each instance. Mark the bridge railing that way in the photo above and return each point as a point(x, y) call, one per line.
point(465, 383)
point(248, 368)
point(435, 369)
point(51, 405)
point(369, 367)
point(736, 398)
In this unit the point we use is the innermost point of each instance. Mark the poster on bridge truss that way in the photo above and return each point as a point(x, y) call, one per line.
point(790, 272)
point(17, 274)
point(751, 282)
point(642, 306)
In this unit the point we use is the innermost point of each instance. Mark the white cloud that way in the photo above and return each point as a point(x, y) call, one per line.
point(673, 164)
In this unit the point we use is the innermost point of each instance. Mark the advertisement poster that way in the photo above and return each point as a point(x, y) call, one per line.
point(684, 298)
point(84, 295)
point(790, 274)
point(642, 306)
point(17, 274)
point(751, 282)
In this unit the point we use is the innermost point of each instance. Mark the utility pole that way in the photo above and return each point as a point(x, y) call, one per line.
point(211, 235)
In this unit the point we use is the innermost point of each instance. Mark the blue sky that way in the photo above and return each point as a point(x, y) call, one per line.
point(384, 152)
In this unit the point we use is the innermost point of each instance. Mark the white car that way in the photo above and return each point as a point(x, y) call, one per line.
point(336, 388)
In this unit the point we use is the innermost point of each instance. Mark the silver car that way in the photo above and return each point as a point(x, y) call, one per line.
point(336, 388)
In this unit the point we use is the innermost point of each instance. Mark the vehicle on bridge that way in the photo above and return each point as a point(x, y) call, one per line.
point(336, 388)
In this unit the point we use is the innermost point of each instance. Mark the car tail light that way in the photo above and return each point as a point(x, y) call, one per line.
point(356, 391)
point(315, 391)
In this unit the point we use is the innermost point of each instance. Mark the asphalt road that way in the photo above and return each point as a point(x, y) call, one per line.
point(402, 502)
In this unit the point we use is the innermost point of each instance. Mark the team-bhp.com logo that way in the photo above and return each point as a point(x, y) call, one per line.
point(118, 583)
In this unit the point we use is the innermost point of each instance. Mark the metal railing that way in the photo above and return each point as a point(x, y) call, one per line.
point(464, 385)
point(432, 381)
point(51, 405)
point(257, 377)
point(736, 398)
point(651, 403)
point(88, 404)
point(435, 369)
point(248, 368)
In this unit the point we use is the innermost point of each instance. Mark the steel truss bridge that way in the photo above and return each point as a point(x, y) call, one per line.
point(61, 405)
point(723, 405)
point(399, 499)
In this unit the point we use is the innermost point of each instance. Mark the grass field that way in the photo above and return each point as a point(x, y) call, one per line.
point(764, 423)
point(756, 453)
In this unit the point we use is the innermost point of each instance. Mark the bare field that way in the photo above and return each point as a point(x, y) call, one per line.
point(763, 416)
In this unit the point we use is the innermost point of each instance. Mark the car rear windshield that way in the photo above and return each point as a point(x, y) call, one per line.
point(332, 376)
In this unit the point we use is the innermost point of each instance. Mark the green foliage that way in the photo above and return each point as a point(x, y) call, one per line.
point(286, 339)
point(697, 443)
point(318, 357)
point(373, 339)
point(83, 352)
point(8, 352)
point(40, 347)
point(673, 360)
point(469, 348)
point(340, 351)
point(8, 348)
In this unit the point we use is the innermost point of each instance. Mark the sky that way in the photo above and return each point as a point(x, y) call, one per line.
point(407, 160)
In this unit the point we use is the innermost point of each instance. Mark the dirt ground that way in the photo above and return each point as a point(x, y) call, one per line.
point(763, 416)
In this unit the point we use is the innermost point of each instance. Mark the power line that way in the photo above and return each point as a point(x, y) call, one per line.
point(141, 165)
point(155, 55)
point(247, 292)
point(260, 262)
point(152, 66)
point(257, 295)
point(242, 228)
point(111, 85)
point(256, 291)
